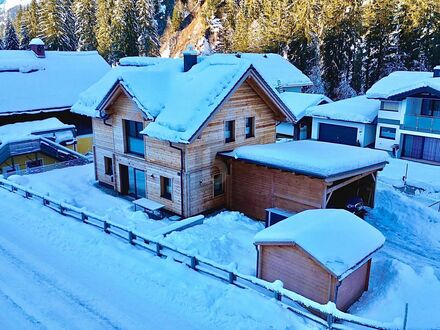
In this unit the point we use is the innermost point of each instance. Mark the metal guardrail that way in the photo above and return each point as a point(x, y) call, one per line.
point(45, 168)
point(292, 301)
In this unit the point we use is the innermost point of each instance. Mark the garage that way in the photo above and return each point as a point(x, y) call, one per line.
point(300, 175)
point(338, 134)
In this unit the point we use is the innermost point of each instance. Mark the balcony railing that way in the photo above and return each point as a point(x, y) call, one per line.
point(422, 123)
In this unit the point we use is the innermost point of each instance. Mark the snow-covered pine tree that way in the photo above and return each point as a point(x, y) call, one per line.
point(51, 18)
point(85, 17)
point(148, 39)
point(68, 27)
point(344, 89)
point(33, 19)
point(11, 39)
point(24, 31)
point(103, 30)
point(124, 30)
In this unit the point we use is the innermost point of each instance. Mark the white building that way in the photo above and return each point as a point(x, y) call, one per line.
point(409, 115)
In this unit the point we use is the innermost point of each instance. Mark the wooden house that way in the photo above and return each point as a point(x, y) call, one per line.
point(306, 253)
point(37, 84)
point(159, 125)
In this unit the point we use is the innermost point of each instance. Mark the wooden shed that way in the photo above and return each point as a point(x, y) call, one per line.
point(324, 255)
point(300, 175)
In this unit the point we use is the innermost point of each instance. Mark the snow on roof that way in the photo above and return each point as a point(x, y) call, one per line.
point(313, 158)
point(356, 109)
point(32, 84)
point(21, 130)
point(299, 103)
point(180, 102)
point(401, 82)
point(317, 232)
point(36, 41)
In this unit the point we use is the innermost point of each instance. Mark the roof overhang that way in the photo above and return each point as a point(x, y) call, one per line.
point(411, 92)
point(35, 111)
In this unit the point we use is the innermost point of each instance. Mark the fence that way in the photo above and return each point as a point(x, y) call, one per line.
point(45, 168)
point(292, 301)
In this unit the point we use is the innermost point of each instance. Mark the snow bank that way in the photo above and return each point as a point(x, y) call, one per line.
point(315, 158)
point(299, 103)
point(402, 81)
point(226, 238)
point(356, 109)
point(315, 232)
point(46, 83)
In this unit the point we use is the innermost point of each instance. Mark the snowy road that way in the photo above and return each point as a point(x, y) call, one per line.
point(57, 273)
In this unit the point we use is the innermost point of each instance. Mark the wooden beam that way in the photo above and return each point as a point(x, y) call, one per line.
point(347, 182)
point(299, 200)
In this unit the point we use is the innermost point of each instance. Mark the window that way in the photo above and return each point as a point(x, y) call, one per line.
point(229, 131)
point(420, 147)
point(218, 185)
point(34, 163)
point(249, 128)
point(134, 141)
point(430, 107)
point(108, 164)
point(389, 106)
point(388, 133)
point(166, 190)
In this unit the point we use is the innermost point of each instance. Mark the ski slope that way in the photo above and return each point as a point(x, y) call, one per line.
point(58, 273)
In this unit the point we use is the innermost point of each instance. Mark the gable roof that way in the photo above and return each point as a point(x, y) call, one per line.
point(314, 231)
point(357, 109)
point(178, 103)
point(399, 84)
point(30, 84)
point(299, 103)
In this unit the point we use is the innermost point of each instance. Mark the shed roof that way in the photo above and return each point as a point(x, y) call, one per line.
point(399, 83)
point(337, 239)
point(312, 158)
point(30, 84)
point(358, 109)
point(178, 102)
point(299, 103)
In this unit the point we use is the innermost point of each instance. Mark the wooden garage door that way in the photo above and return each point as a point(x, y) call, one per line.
point(338, 134)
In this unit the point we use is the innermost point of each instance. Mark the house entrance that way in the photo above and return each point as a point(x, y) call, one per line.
point(133, 181)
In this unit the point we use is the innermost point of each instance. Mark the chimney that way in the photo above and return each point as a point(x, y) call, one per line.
point(189, 58)
point(436, 72)
point(37, 46)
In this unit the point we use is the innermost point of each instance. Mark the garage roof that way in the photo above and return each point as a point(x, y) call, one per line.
point(318, 233)
point(312, 158)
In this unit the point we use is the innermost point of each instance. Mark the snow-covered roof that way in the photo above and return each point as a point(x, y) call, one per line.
point(22, 130)
point(178, 102)
point(317, 233)
point(401, 82)
point(312, 158)
point(299, 103)
point(358, 109)
point(31, 84)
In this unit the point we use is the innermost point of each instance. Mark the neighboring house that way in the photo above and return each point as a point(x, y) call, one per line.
point(299, 103)
point(28, 146)
point(38, 84)
point(409, 115)
point(351, 121)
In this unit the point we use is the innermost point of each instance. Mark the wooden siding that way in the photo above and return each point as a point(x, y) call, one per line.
point(200, 156)
point(102, 134)
point(100, 153)
point(255, 188)
point(296, 270)
point(353, 286)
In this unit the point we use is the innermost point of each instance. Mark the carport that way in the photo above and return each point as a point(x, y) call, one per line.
point(300, 175)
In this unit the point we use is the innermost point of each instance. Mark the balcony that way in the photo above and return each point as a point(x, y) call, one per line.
point(421, 123)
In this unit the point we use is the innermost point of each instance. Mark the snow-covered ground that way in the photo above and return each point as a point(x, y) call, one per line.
point(59, 273)
point(406, 270)
point(77, 186)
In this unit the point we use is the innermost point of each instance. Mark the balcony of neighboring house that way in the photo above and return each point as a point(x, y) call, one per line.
point(422, 115)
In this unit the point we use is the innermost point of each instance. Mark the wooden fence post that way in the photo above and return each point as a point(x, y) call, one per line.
point(45, 201)
point(84, 217)
point(62, 209)
point(158, 248)
point(193, 262)
point(27, 194)
point(106, 227)
point(405, 318)
point(231, 279)
point(330, 321)
point(277, 295)
point(131, 238)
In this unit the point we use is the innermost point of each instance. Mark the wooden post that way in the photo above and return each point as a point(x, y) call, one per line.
point(330, 321)
point(231, 278)
point(106, 227)
point(158, 248)
point(193, 262)
point(45, 201)
point(131, 238)
point(405, 318)
point(84, 217)
point(62, 209)
point(277, 295)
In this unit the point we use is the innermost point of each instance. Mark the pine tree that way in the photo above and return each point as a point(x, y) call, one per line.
point(51, 17)
point(103, 32)
point(124, 30)
point(68, 27)
point(148, 40)
point(24, 31)
point(10, 40)
point(85, 16)
point(33, 19)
